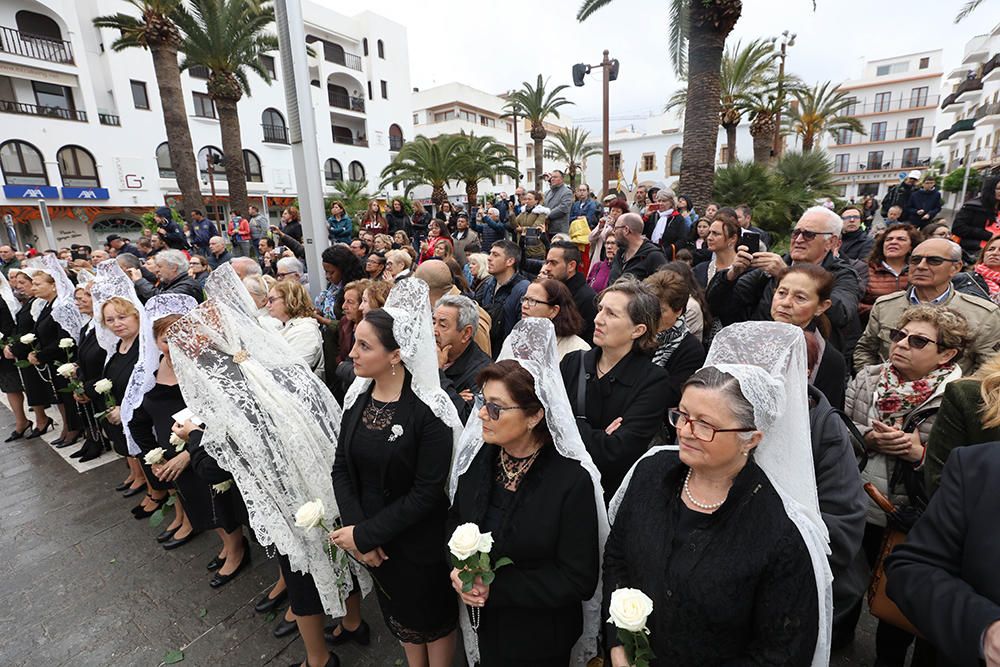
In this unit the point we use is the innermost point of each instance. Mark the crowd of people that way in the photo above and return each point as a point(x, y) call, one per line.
point(667, 404)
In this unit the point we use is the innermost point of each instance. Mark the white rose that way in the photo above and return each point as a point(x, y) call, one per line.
point(177, 442)
point(28, 339)
point(629, 609)
point(154, 456)
point(68, 371)
point(310, 515)
point(222, 487)
point(103, 386)
point(485, 543)
point(465, 541)
point(66, 343)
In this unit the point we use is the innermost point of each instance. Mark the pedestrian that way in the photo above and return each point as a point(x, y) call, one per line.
point(558, 200)
point(239, 234)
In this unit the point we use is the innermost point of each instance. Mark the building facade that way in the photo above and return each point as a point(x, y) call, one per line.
point(86, 134)
point(896, 100)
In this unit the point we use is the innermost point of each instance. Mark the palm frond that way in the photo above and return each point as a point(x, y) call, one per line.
point(677, 36)
point(967, 9)
point(589, 7)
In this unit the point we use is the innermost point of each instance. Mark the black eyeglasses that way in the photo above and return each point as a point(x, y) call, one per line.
point(916, 341)
point(531, 302)
point(493, 410)
point(699, 429)
point(808, 235)
point(932, 260)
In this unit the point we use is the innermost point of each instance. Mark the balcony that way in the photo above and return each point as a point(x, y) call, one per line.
point(991, 69)
point(976, 49)
point(951, 100)
point(350, 141)
point(275, 134)
point(889, 106)
point(8, 106)
point(109, 119)
point(963, 128)
point(884, 165)
point(988, 114)
point(891, 135)
point(943, 135)
point(35, 47)
point(344, 101)
point(395, 143)
point(969, 90)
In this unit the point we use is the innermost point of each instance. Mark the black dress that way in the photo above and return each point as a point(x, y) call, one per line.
point(37, 390)
point(390, 485)
point(548, 527)
point(10, 379)
point(736, 587)
point(118, 369)
point(90, 366)
point(50, 333)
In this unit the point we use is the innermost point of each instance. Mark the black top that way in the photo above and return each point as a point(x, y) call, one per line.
point(153, 418)
point(685, 360)
point(49, 334)
point(118, 370)
point(740, 591)
point(633, 390)
point(7, 329)
point(90, 355)
point(831, 377)
point(585, 299)
point(461, 375)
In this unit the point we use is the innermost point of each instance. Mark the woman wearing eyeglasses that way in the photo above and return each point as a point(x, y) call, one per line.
point(894, 404)
point(289, 303)
point(855, 242)
point(199, 270)
point(552, 300)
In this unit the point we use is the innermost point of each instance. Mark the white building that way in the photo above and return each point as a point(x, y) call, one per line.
point(84, 131)
point(453, 108)
point(896, 99)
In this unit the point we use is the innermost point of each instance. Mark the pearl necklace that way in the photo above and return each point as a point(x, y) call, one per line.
point(687, 492)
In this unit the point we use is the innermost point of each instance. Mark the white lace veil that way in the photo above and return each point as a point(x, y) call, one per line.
point(7, 294)
point(273, 425)
point(64, 310)
point(532, 344)
point(112, 281)
point(225, 286)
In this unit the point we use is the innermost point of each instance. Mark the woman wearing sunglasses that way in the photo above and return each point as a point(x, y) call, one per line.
point(894, 404)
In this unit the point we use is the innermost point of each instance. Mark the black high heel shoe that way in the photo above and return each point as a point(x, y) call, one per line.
point(17, 435)
point(140, 513)
point(37, 432)
point(266, 604)
point(91, 450)
point(222, 579)
point(68, 443)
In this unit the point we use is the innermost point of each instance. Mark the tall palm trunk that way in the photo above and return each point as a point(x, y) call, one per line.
point(168, 82)
point(538, 134)
point(807, 142)
point(438, 193)
point(730, 143)
point(232, 149)
point(471, 194)
point(762, 131)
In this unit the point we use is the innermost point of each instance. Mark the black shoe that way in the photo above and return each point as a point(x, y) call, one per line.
point(223, 579)
point(58, 441)
point(67, 443)
point(17, 435)
point(215, 564)
point(180, 541)
point(266, 604)
point(285, 628)
point(80, 452)
point(124, 485)
point(37, 432)
point(91, 451)
point(167, 534)
point(139, 512)
point(130, 491)
point(362, 635)
point(332, 661)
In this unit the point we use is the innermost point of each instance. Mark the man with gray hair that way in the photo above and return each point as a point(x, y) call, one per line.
point(245, 266)
point(456, 319)
point(440, 282)
point(744, 292)
point(289, 268)
point(933, 265)
point(217, 252)
point(172, 277)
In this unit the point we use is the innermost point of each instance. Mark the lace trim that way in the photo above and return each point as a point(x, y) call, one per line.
point(378, 418)
point(404, 634)
point(511, 470)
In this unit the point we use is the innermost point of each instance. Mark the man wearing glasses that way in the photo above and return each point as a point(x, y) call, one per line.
point(855, 242)
point(744, 292)
point(933, 264)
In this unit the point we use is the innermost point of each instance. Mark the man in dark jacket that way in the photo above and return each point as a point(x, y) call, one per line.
point(924, 204)
point(122, 246)
point(944, 577)
point(855, 242)
point(500, 294)
point(172, 271)
point(203, 230)
point(975, 223)
point(899, 195)
point(636, 255)
point(217, 253)
point(169, 231)
point(562, 263)
point(456, 319)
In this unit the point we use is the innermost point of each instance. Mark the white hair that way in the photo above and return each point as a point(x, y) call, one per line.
point(468, 311)
point(173, 258)
point(290, 265)
point(833, 222)
point(248, 266)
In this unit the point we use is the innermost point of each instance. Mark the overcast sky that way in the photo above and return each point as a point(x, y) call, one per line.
point(497, 45)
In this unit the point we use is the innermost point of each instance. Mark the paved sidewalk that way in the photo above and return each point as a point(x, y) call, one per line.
point(83, 583)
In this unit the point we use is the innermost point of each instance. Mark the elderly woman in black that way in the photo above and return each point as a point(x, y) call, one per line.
point(37, 390)
point(90, 360)
point(11, 382)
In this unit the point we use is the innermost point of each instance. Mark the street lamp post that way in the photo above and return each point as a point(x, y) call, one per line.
point(779, 142)
point(213, 159)
point(610, 72)
point(515, 110)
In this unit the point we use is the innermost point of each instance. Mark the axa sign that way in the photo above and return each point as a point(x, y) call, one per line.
point(85, 193)
point(30, 192)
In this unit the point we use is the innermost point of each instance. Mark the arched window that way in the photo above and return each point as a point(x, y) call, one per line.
point(37, 25)
point(40, 37)
point(395, 137)
point(364, 44)
point(274, 127)
point(22, 164)
point(251, 166)
point(357, 171)
point(674, 163)
point(381, 49)
point(219, 170)
point(77, 168)
point(163, 162)
point(332, 171)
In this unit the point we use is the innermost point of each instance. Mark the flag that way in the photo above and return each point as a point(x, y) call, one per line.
point(635, 177)
point(621, 177)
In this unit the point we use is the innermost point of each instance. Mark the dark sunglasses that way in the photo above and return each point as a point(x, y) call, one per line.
point(493, 410)
point(932, 260)
point(808, 235)
point(916, 341)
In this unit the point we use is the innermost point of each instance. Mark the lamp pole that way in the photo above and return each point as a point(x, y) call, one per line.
point(779, 142)
point(212, 159)
point(515, 109)
point(610, 73)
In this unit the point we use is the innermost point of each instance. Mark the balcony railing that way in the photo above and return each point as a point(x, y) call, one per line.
point(949, 100)
point(969, 85)
point(898, 104)
point(990, 65)
point(963, 125)
point(943, 134)
point(350, 141)
point(275, 134)
point(24, 44)
point(109, 119)
point(8, 106)
point(395, 143)
point(348, 60)
point(345, 101)
point(991, 109)
point(884, 165)
point(889, 135)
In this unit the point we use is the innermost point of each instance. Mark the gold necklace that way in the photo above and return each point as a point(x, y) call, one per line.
point(521, 464)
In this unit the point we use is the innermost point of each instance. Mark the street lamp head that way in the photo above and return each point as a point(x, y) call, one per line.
point(791, 42)
point(579, 71)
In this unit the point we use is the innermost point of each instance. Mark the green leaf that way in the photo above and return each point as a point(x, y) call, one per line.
point(466, 576)
point(488, 577)
point(174, 656)
point(170, 501)
point(113, 561)
point(270, 616)
point(466, 587)
point(24, 363)
point(501, 562)
point(202, 613)
point(156, 518)
point(484, 561)
point(398, 662)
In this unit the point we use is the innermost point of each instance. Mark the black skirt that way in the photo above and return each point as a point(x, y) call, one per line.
point(37, 390)
point(303, 597)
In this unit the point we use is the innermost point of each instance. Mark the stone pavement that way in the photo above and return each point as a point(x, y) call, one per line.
point(83, 583)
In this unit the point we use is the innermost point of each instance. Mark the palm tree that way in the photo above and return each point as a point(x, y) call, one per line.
point(969, 7)
point(154, 29)
point(424, 162)
point(697, 35)
point(570, 146)
point(481, 159)
point(353, 195)
point(228, 38)
point(745, 71)
point(536, 104)
point(820, 111)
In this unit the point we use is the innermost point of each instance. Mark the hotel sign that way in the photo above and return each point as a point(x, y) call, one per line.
point(37, 74)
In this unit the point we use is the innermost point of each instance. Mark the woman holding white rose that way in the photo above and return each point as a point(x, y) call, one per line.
point(90, 360)
point(37, 392)
point(10, 376)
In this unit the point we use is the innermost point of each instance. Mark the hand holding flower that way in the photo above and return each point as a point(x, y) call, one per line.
point(172, 469)
point(344, 538)
point(33, 359)
point(629, 610)
point(114, 415)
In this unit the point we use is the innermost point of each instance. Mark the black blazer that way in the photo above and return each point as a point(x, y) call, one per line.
point(637, 390)
point(831, 377)
point(945, 577)
point(550, 532)
point(686, 359)
point(412, 520)
point(585, 299)
point(91, 356)
point(49, 334)
point(461, 375)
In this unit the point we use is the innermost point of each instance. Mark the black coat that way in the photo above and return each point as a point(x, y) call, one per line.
point(831, 377)
point(585, 299)
point(461, 375)
point(633, 390)
point(412, 522)
point(645, 262)
point(738, 590)
point(856, 245)
point(686, 359)
point(945, 578)
point(970, 225)
point(550, 532)
point(90, 355)
point(182, 284)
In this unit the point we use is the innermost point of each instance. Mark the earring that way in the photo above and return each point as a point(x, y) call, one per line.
point(746, 453)
point(393, 369)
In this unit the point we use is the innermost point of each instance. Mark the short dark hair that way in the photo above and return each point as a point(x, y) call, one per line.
point(570, 253)
point(382, 322)
point(345, 260)
point(268, 241)
point(568, 322)
point(198, 211)
point(508, 248)
point(364, 244)
point(747, 211)
point(521, 386)
point(619, 204)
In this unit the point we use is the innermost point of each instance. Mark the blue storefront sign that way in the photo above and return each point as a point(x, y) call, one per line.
point(93, 194)
point(32, 192)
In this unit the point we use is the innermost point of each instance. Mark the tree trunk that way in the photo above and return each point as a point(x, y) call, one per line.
point(168, 82)
point(471, 194)
point(730, 144)
point(807, 143)
point(438, 194)
point(538, 161)
point(232, 150)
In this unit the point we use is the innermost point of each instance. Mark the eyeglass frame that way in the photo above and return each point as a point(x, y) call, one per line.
point(534, 302)
point(492, 407)
point(898, 335)
point(932, 260)
point(674, 416)
point(808, 234)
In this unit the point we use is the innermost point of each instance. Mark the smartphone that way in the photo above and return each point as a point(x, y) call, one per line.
point(658, 206)
point(751, 240)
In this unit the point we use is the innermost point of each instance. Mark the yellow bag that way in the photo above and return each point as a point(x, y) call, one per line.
point(579, 231)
